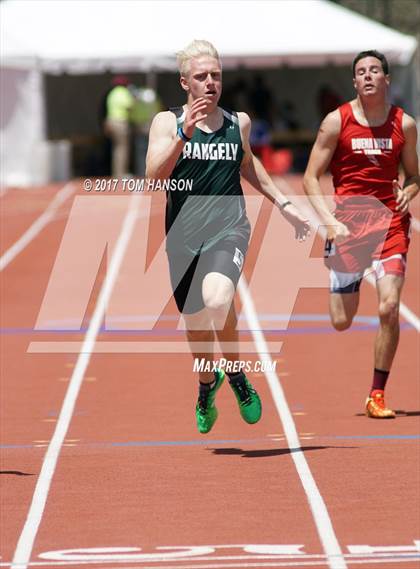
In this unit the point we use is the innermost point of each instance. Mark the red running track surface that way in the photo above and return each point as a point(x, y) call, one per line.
point(134, 473)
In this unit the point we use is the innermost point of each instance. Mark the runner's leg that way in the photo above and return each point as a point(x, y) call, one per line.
point(343, 308)
point(200, 336)
point(218, 293)
point(389, 292)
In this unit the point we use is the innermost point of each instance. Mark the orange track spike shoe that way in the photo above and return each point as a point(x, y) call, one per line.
point(376, 408)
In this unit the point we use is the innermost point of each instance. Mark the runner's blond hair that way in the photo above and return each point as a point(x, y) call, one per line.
point(196, 48)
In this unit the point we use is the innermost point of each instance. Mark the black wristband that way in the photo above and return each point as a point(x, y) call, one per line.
point(182, 135)
point(283, 205)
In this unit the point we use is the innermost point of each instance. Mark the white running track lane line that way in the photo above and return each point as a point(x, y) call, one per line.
point(408, 314)
point(37, 226)
point(25, 544)
point(335, 558)
point(234, 562)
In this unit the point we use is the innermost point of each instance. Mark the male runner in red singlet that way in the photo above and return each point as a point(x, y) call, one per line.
point(364, 142)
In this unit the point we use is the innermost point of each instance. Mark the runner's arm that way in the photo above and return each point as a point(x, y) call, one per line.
point(252, 169)
point(410, 164)
point(319, 160)
point(255, 173)
point(165, 146)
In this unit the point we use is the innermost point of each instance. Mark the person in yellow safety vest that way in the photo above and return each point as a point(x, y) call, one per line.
point(119, 104)
point(146, 106)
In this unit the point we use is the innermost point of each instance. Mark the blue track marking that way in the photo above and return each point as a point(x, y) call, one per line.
point(163, 332)
point(204, 442)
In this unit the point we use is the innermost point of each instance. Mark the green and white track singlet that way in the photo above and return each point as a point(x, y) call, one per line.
point(214, 209)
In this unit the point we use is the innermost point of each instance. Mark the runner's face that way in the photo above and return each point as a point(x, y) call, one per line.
point(204, 80)
point(369, 77)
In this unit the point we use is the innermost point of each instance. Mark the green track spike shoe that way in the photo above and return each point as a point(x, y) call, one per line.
point(205, 411)
point(248, 400)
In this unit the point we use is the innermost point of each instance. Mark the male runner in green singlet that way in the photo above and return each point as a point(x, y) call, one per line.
point(208, 229)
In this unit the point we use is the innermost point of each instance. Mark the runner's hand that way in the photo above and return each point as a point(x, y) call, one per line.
point(299, 222)
point(194, 114)
point(401, 197)
point(337, 232)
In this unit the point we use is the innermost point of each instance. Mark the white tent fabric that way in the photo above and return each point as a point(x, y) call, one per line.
point(88, 35)
point(22, 128)
point(91, 36)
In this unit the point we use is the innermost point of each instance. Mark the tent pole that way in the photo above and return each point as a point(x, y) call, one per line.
point(151, 79)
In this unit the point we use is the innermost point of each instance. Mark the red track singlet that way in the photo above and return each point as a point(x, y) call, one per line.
point(365, 163)
point(366, 159)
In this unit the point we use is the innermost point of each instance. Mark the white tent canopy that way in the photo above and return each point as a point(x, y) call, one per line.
point(88, 35)
point(93, 36)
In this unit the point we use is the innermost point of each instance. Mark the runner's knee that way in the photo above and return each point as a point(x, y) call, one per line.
point(218, 302)
point(341, 322)
point(388, 310)
point(218, 305)
point(200, 335)
point(218, 296)
point(343, 308)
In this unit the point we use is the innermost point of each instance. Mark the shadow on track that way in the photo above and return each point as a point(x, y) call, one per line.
point(269, 452)
point(402, 413)
point(399, 412)
point(16, 473)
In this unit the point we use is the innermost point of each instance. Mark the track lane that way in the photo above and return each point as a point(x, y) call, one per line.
point(171, 494)
point(168, 462)
point(31, 393)
point(48, 209)
point(162, 408)
point(45, 378)
point(368, 472)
